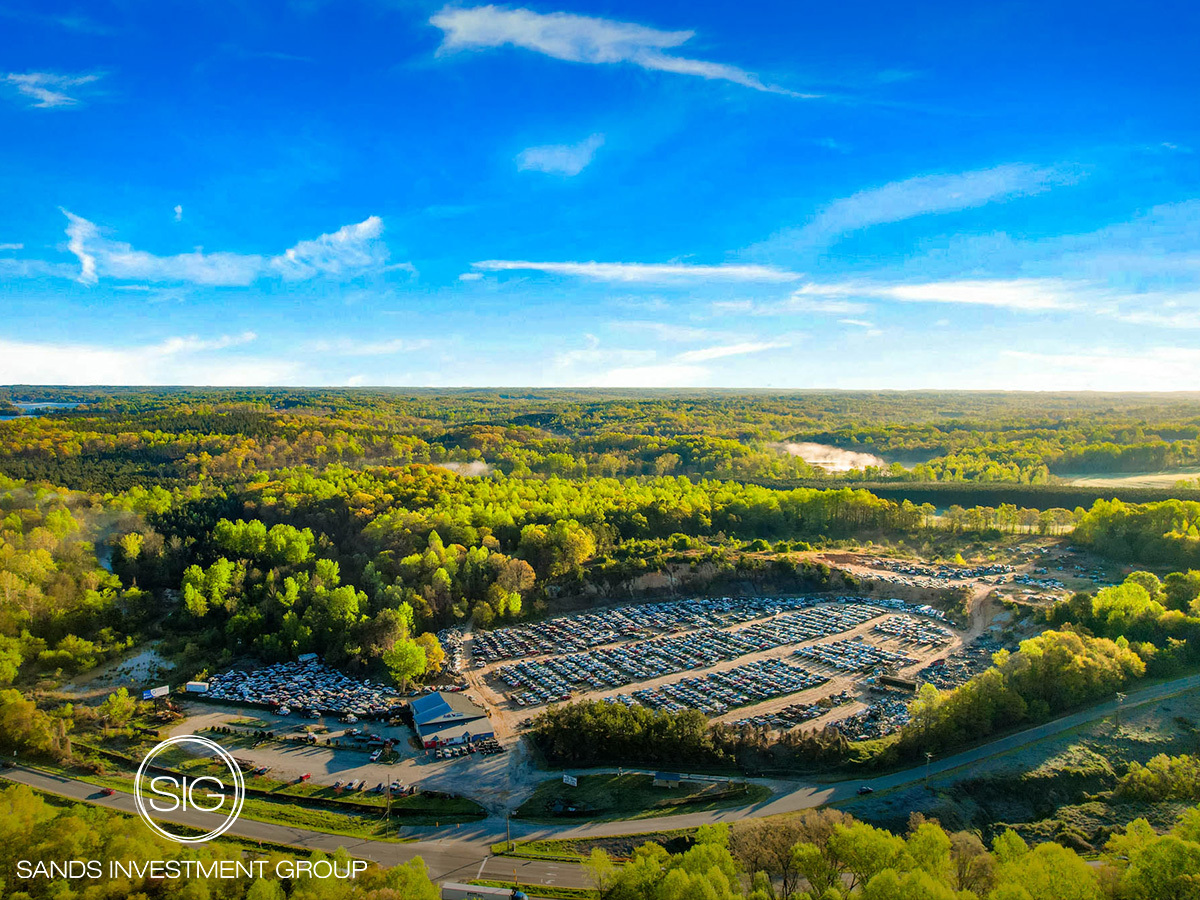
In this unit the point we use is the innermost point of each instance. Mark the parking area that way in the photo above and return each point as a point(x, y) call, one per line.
point(582, 632)
point(306, 688)
point(491, 769)
point(914, 631)
point(794, 714)
point(852, 656)
point(718, 692)
point(775, 662)
point(774, 623)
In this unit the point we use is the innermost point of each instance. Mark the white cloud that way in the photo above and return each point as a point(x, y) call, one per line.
point(178, 213)
point(720, 352)
point(593, 354)
point(923, 195)
point(34, 268)
point(99, 256)
point(349, 251)
point(641, 272)
point(1025, 294)
point(662, 376)
point(1160, 307)
point(193, 344)
point(560, 159)
point(868, 327)
point(350, 248)
point(179, 360)
point(593, 364)
point(49, 90)
point(802, 301)
point(351, 347)
point(1105, 369)
point(12, 246)
point(583, 39)
point(667, 331)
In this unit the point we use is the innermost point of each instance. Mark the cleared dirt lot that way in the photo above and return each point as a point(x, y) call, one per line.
point(496, 781)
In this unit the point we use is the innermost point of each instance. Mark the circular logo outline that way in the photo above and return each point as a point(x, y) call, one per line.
point(239, 788)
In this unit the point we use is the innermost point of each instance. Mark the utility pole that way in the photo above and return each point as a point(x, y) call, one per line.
point(928, 757)
point(1120, 701)
point(508, 830)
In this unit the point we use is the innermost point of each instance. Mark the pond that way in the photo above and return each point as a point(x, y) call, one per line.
point(31, 407)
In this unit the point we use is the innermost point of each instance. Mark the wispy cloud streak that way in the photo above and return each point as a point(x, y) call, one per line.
point(584, 39)
point(48, 90)
point(641, 272)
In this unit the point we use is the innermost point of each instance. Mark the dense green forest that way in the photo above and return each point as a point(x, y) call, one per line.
point(347, 523)
point(119, 438)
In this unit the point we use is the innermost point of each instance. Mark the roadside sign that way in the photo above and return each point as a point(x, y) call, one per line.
point(571, 780)
point(155, 692)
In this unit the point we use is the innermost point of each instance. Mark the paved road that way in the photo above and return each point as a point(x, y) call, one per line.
point(448, 858)
point(463, 853)
point(805, 796)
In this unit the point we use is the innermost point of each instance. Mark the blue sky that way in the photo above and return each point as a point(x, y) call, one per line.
point(787, 195)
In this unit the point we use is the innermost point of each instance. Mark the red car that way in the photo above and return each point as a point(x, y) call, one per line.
point(107, 792)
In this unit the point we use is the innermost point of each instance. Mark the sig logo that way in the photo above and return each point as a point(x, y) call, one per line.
point(184, 796)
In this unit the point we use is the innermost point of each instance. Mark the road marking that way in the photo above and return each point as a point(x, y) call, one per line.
point(483, 862)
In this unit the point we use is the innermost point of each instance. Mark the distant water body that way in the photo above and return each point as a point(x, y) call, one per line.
point(31, 408)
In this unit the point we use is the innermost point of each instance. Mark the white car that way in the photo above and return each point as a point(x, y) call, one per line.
point(375, 756)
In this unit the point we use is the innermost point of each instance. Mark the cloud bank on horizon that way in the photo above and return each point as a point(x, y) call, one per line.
point(636, 195)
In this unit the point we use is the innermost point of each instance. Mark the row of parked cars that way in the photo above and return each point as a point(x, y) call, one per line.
point(485, 747)
point(796, 714)
point(941, 571)
point(853, 656)
point(718, 692)
point(307, 686)
point(553, 679)
point(586, 631)
point(396, 788)
point(913, 631)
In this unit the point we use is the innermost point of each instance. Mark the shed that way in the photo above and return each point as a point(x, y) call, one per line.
point(667, 779)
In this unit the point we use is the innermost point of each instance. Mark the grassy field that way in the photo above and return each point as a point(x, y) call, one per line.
point(361, 816)
point(367, 825)
point(631, 796)
point(251, 847)
point(619, 846)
